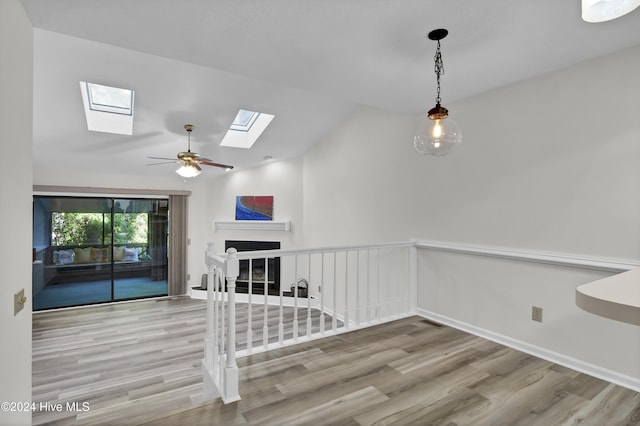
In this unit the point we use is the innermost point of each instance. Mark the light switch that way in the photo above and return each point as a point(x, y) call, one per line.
point(18, 302)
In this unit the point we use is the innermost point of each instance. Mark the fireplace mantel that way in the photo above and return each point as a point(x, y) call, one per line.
point(252, 225)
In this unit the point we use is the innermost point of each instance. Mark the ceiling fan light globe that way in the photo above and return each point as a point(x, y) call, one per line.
point(188, 171)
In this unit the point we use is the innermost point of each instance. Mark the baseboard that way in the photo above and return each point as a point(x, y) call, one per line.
point(629, 382)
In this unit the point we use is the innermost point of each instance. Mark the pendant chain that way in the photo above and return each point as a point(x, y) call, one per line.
point(439, 69)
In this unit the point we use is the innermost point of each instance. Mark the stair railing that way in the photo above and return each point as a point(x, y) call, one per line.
point(333, 290)
point(219, 367)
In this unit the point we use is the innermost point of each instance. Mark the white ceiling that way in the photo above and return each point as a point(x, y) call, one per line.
point(309, 62)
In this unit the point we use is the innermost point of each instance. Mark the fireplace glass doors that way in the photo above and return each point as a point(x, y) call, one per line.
point(260, 273)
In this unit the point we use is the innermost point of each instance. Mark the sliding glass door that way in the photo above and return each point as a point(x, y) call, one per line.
point(140, 231)
point(94, 250)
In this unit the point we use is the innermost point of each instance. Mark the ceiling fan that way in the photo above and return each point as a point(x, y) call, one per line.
point(190, 160)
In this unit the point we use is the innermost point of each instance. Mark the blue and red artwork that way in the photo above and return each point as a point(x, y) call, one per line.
point(251, 207)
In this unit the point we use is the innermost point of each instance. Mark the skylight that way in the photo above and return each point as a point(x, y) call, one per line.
point(244, 120)
point(110, 99)
point(108, 109)
point(246, 129)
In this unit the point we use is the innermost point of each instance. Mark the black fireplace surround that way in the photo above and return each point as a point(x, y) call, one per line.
point(258, 276)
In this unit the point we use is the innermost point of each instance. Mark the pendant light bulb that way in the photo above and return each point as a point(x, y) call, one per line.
point(437, 130)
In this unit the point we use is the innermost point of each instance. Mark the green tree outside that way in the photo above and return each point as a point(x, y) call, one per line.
point(77, 229)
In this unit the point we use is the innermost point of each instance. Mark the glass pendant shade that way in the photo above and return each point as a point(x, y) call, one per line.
point(188, 171)
point(436, 133)
point(436, 136)
point(606, 10)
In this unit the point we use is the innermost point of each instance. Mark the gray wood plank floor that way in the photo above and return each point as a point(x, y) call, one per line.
point(139, 363)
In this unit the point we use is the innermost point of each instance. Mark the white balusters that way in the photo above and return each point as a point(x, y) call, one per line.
point(358, 307)
point(378, 306)
point(367, 284)
point(221, 312)
point(281, 318)
point(295, 299)
point(346, 289)
point(322, 290)
point(220, 372)
point(334, 322)
point(210, 362)
point(413, 279)
point(250, 311)
point(401, 282)
point(265, 325)
point(309, 296)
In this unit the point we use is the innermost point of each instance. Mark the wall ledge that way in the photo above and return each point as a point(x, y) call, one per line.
point(252, 225)
point(616, 297)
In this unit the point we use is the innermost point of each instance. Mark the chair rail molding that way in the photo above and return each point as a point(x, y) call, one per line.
point(559, 259)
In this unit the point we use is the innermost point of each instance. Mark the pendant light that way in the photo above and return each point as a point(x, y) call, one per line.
point(437, 133)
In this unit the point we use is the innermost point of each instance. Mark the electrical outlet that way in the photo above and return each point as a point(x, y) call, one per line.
point(536, 313)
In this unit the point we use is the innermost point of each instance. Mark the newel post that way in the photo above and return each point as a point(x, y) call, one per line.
point(231, 377)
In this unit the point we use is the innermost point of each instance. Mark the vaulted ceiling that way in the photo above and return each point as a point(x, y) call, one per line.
point(309, 62)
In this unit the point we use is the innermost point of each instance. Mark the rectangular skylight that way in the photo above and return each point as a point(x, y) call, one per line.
point(110, 99)
point(246, 129)
point(108, 109)
point(244, 120)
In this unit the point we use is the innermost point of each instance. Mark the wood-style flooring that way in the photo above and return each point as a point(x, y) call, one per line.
point(139, 363)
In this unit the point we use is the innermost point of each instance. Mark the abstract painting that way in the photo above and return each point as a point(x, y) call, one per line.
point(252, 207)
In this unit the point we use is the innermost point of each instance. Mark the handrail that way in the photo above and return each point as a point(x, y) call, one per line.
point(242, 255)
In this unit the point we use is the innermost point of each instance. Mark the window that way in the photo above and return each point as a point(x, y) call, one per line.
point(246, 128)
point(244, 120)
point(108, 109)
point(110, 99)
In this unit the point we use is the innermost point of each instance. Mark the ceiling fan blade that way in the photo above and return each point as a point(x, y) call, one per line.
point(206, 162)
point(164, 162)
point(162, 158)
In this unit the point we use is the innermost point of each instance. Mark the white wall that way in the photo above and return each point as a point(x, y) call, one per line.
point(359, 183)
point(282, 179)
point(16, 105)
point(497, 295)
point(547, 164)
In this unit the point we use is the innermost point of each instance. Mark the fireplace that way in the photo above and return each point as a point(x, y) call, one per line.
point(258, 267)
